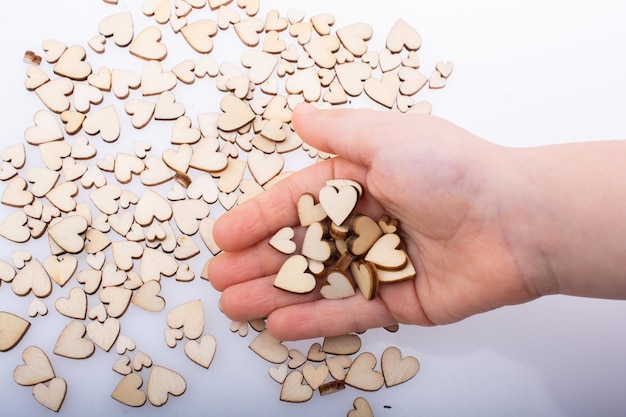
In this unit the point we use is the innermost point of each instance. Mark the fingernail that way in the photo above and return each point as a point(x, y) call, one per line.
point(205, 270)
point(305, 108)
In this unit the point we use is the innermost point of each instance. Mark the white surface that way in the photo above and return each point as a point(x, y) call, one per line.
point(526, 73)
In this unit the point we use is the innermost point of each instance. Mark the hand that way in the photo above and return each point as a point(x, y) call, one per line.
point(446, 187)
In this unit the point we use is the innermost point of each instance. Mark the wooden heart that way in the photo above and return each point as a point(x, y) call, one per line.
point(384, 91)
point(436, 80)
point(172, 336)
point(123, 344)
point(237, 113)
point(184, 133)
point(308, 211)
point(338, 204)
point(361, 408)
point(279, 373)
point(124, 252)
point(315, 245)
point(282, 241)
point(84, 96)
point(188, 316)
point(167, 108)
point(294, 390)
point(338, 365)
point(116, 300)
point(315, 376)
point(35, 308)
point(385, 253)
point(141, 360)
point(160, 9)
point(122, 81)
point(101, 80)
point(342, 345)
point(293, 277)
point(354, 37)
point(104, 335)
point(315, 353)
point(32, 277)
point(52, 395)
point(46, 129)
point(154, 80)
point(147, 45)
point(61, 270)
point(119, 26)
point(269, 348)
point(36, 368)
point(155, 263)
point(74, 306)
point(54, 94)
point(396, 369)
point(296, 359)
point(42, 179)
point(141, 112)
point(390, 276)
point(199, 35)
point(122, 365)
point(148, 298)
point(16, 193)
point(68, 232)
point(362, 374)
point(152, 206)
point(201, 352)
point(72, 343)
point(35, 77)
point(187, 213)
point(365, 232)
point(127, 391)
point(12, 330)
point(338, 285)
point(248, 31)
point(307, 83)
point(104, 121)
point(445, 68)
point(366, 278)
point(72, 64)
point(263, 168)
point(403, 35)
point(163, 382)
point(412, 81)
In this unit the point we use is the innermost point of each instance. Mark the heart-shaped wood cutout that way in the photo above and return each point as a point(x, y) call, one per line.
point(315, 376)
point(116, 300)
point(384, 91)
point(35, 308)
point(200, 34)
point(148, 298)
point(365, 232)
point(141, 360)
point(52, 395)
point(347, 344)
point(201, 352)
point(119, 26)
point(338, 285)
point(152, 206)
point(354, 37)
point(61, 270)
point(237, 113)
point(282, 241)
point(147, 45)
point(293, 277)
point(338, 204)
point(128, 391)
point(72, 343)
point(36, 368)
point(403, 35)
point(54, 94)
point(163, 382)
point(72, 64)
point(33, 277)
point(269, 348)
point(68, 233)
point(390, 276)
point(307, 83)
point(366, 278)
point(294, 390)
point(361, 408)
point(104, 335)
point(155, 263)
point(14, 227)
point(279, 373)
point(188, 316)
point(12, 329)
point(396, 369)
point(74, 306)
point(104, 121)
point(16, 194)
point(362, 374)
point(338, 365)
point(172, 336)
point(46, 129)
point(122, 365)
point(385, 253)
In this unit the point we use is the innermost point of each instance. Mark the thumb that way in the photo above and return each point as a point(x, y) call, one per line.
point(354, 135)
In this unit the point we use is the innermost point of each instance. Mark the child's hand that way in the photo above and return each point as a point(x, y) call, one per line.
point(445, 186)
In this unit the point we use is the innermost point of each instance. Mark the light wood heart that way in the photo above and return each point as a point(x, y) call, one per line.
point(12, 330)
point(403, 35)
point(14, 227)
point(294, 390)
point(269, 348)
point(155, 263)
point(75, 306)
point(61, 270)
point(338, 365)
point(282, 241)
point(315, 376)
point(338, 204)
point(366, 277)
point(104, 335)
point(46, 129)
point(188, 316)
point(279, 373)
point(200, 34)
point(385, 253)
point(68, 232)
point(152, 206)
point(36, 368)
point(33, 277)
point(52, 395)
point(148, 298)
point(72, 344)
point(122, 365)
point(128, 391)
point(362, 374)
point(365, 232)
point(119, 26)
point(347, 344)
point(361, 408)
point(316, 246)
point(72, 64)
point(396, 369)
point(116, 300)
point(141, 360)
point(293, 277)
point(35, 308)
point(354, 37)
point(147, 44)
point(338, 285)
point(201, 352)
point(296, 359)
point(104, 121)
point(163, 382)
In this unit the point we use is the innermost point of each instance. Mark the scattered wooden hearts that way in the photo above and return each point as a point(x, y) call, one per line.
point(338, 285)
point(162, 383)
point(52, 395)
point(281, 241)
point(338, 204)
point(36, 308)
point(147, 44)
point(148, 298)
point(33, 277)
point(188, 316)
point(74, 306)
point(293, 277)
point(396, 369)
point(361, 408)
point(12, 330)
point(270, 349)
point(293, 390)
point(362, 374)
point(104, 335)
point(315, 376)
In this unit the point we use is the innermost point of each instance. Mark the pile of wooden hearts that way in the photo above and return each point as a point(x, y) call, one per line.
point(129, 240)
point(347, 250)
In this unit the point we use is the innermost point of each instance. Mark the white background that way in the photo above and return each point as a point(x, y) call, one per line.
point(526, 73)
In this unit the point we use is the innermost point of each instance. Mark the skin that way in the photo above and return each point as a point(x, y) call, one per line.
point(485, 225)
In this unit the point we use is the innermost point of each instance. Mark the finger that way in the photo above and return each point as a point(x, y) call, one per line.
point(262, 216)
point(356, 135)
point(257, 298)
point(328, 318)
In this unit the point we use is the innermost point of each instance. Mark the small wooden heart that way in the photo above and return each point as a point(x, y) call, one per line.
point(338, 285)
point(52, 395)
point(36, 368)
point(128, 391)
point(163, 382)
point(362, 374)
point(12, 329)
point(201, 352)
point(294, 390)
point(293, 277)
point(396, 369)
